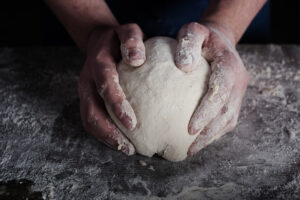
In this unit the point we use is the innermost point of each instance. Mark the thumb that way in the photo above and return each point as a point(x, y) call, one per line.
point(190, 39)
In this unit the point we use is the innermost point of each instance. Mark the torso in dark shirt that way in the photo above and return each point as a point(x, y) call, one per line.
point(165, 18)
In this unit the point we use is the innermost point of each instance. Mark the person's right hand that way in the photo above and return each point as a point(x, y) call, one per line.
point(219, 108)
point(99, 83)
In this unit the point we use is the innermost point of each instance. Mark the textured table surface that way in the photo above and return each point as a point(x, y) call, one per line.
point(42, 139)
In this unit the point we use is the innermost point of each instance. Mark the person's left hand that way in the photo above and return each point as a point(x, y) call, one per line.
point(219, 109)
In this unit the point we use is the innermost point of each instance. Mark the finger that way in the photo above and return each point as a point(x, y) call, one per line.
point(132, 45)
point(96, 121)
point(219, 88)
point(226, 119)
point(218, 127)
point(190, 40)
point(108, 87)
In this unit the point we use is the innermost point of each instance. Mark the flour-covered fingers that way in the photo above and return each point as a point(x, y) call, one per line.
point(188, 52)
point(132, 45)
point(218, 127)
point(226, 119)
point(96, 121)
point(222, 124)
point(219, 90)
point(201, 141)
point(106, 79)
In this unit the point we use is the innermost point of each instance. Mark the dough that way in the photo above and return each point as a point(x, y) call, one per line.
point(163, 99)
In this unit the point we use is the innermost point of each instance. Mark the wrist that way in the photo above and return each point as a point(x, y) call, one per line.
point(223, 28)
point(232, 17)
point(97, 33)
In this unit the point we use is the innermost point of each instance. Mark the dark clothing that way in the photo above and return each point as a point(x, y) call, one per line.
point(165, 18)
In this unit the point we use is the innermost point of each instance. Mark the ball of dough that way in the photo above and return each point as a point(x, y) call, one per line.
point(163, 99)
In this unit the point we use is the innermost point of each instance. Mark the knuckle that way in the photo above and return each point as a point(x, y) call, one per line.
point(132, 26)
point(104, 75)
point(103, 58)
point(131, 42)
point(111, 94)
point(192, 25)
point(195, 26)
point(129, 33)
point(228, 60)
point(229, 55)
point(225, 55)
point(133, 31)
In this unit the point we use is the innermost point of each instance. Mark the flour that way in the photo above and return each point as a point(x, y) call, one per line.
point(42, 138)
point(189, 50)
point(139, 51)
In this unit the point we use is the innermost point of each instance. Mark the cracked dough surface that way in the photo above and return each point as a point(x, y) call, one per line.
point(163, 98)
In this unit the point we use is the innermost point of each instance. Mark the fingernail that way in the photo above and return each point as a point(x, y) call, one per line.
point(128, 149)
point(136, 57)
point(125, 146)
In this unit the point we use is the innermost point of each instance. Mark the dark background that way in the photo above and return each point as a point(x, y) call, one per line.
point(32, 23)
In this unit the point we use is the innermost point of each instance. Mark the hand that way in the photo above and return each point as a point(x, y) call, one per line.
point(99, 83)
point(219, 109)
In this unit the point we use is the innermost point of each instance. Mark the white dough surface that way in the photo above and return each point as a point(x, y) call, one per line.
point(163, 99)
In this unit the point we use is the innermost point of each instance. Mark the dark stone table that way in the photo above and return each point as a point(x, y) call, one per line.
point(44, 146)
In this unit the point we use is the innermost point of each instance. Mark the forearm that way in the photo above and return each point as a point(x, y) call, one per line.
point(234, 16)
point(81, 17)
